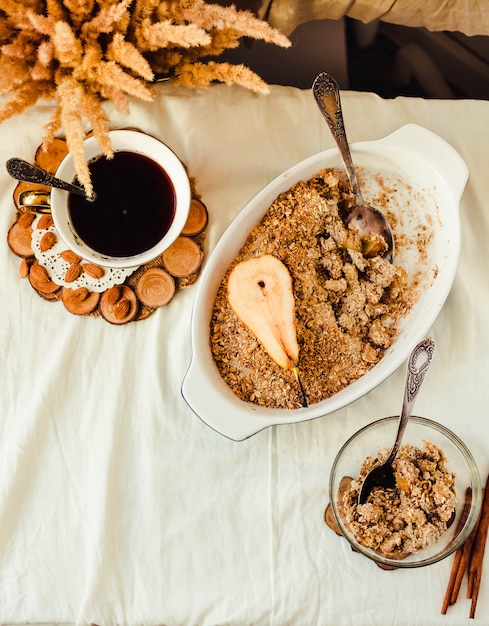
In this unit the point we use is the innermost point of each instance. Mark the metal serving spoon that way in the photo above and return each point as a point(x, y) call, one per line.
point(24, 171)
point(418, 363)
point(364, 217)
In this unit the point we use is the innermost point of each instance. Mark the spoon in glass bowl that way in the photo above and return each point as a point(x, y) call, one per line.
point(365, 218)
point(26, 172)
point(418, 363)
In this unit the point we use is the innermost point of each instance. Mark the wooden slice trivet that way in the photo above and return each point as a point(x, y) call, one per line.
point(118, 305)
point(330, 520)
point(155, 287)
point(149, 287)
point(197, 219)
point(50, 157)
point(80, 301)
point(19, 240)
point(40, 281)
point(183, 257)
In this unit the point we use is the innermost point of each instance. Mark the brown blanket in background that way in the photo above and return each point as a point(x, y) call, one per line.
point(470, 17)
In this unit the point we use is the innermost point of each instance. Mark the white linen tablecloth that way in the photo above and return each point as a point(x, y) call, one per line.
point(118, 505)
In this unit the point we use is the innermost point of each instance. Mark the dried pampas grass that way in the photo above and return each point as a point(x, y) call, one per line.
point(82, 52)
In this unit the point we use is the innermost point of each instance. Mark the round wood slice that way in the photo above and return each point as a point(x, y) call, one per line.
point(118, 310)
point(155, 287)
point(50, 157)
point(19, 240)
point(50, 297)
point(183, 257)
point(197, 219)
point(21, 187)
point(79, 301)
point(330, 520)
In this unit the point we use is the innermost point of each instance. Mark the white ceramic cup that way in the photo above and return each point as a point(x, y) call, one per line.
point(136, 142)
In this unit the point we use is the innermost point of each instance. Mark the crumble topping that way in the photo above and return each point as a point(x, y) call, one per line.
point(414, 515)
point(348, 305)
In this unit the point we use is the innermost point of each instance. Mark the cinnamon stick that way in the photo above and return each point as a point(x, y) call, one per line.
point(461, 558)
point(470, 558)
point(477, 554)
point(465, 552)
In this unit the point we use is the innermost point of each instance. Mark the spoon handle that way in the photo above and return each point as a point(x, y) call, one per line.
point(24, 171)
point(418, 364)
point(327, 94)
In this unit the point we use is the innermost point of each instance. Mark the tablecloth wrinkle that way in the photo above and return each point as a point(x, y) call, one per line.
point(118, 505)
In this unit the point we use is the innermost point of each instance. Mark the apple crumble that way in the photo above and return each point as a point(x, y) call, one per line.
point(348, 303)
point(414, 515)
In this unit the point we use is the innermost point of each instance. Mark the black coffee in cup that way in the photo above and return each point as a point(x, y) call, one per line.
point(134, 208)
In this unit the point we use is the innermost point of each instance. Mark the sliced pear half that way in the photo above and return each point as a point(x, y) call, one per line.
point(260, 292)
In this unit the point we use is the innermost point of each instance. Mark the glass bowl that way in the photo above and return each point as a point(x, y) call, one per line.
point(381, 434)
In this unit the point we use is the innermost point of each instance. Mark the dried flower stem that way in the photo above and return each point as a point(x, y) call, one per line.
point(82, 52)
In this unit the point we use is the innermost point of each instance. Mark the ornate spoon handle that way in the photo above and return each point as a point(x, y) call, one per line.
point(418, 364)
point(327, 94)
point(24, 171)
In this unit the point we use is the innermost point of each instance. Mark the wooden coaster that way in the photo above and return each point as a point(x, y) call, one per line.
point(148, 288)
point(330, 520)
